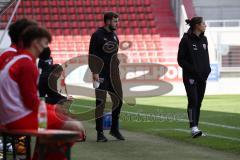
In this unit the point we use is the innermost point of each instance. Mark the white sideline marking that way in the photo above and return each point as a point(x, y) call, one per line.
point(184, 120)
point(208, 135)
point(169, 118)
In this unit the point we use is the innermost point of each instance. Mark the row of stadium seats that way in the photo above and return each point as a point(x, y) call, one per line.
point(86, 10)
point(84, 46)
point(88, 17)
point(89, 31)
point(86, 3)
point(131, 37)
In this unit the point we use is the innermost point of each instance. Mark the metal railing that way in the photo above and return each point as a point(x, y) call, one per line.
point(223, 23)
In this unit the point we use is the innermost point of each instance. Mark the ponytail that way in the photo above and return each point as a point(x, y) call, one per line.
point(193, 21)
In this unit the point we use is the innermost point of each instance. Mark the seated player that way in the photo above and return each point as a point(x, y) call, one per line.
point(6, 55)
point(18, 84)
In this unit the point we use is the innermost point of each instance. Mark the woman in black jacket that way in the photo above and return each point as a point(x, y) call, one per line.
point(193, 57)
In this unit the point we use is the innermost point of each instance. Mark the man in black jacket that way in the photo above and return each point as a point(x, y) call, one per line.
point(193, 57)
point(103, 63)
point(49, 76)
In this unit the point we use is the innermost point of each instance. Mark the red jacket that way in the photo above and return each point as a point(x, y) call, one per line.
point(25, 73)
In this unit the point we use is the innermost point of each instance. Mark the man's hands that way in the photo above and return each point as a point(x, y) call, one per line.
point(95, 77)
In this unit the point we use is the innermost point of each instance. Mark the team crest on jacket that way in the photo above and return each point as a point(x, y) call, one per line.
point(195, 47)
point(204, 46)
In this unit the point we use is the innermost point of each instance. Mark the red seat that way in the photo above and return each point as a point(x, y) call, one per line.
point(65, 25)
point(75, 24)
point(28, 10)
point(121, 10)
point(146, 2)
point(132, 17)
point(76, 31)
point(84, 32)
point(56, 25)
point(72, 10)
point(87, 3)
point(148, 9)
point(63, 10)
point(124, 16)
point(35, 3)
point(131, 10)
point(47, 17)
point(52, 3)
point(73, 17)
point(124, 23)
point(79, 3)
point(38, 17)
point(95, 3)
point(136, 31)
point(130, 2)
point(99, 17)
point(71, 3)
point(28, 3)
point(64, 17)
point(20, 10)
point(138, 2)
point(112, 3)
point(92, 24)
point(134, 23)
point(127, 31)
point(67, 31)
point(90, 17)
point(141, 16)
point(153, 31)
point(150, 16)
point(103, 3)
point(44, 3)
point(145, 31)
point(47, 24)
point(61, 3)
point(45, 10)
point(83, 24)
point(57, 32)
point(122, 3)
point(98, 11)
point(54, 10)
point(140, 9)
point(152, 24)
point(81, 17)
point(142, 23)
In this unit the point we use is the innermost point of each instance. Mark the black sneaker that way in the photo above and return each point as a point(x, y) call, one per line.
point(117, 135)
point(101, 137)
point(196, 134)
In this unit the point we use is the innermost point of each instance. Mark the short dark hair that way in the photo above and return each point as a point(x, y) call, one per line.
point(110, 15)
point(18, 27)
point(193, 21)
point(57, 68)
point(34, 32)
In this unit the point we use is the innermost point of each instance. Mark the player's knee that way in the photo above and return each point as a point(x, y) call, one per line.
point(73, 125)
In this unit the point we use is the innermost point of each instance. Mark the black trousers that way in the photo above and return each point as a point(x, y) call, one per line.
point(114, 89)
point(195, 94)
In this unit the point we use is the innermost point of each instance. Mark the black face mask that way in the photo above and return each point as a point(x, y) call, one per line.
point(46, 53)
